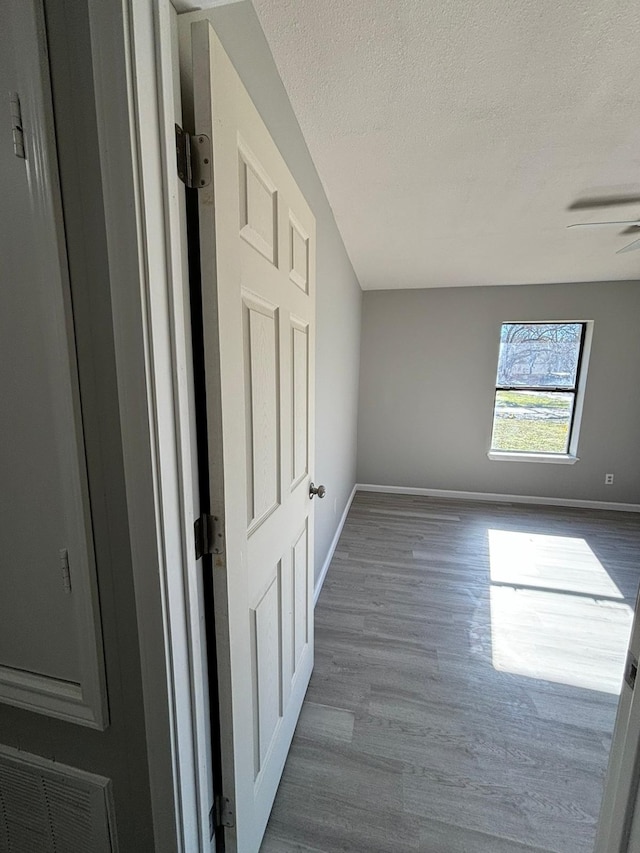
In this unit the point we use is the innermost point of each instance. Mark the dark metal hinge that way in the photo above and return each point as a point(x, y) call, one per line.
point(193, 158)
point(224, 812)
point(631, 670)
point(208, 534)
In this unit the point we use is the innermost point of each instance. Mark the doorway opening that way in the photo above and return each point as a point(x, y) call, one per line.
point(469, 658)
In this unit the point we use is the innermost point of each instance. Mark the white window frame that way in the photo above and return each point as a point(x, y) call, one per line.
point(571, 456)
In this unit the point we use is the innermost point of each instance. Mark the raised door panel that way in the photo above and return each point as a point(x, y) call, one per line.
point(298, 254)
point(258, 205)
point(262, 393)
point(267, 669)
point(299, 400)
point(300, 574)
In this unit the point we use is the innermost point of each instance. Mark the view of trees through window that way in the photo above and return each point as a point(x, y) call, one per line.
point(536, 386)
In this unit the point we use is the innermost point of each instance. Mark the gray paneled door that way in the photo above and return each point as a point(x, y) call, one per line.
point(257, 238)
point(51, 658)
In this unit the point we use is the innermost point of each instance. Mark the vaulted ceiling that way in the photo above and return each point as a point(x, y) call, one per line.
point(452, 136)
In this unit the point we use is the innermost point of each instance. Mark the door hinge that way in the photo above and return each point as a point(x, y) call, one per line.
point(631, 670)
point(208, 533)
point(193, 158)
point(225, 815)
point(64, 566)
point(16, 124)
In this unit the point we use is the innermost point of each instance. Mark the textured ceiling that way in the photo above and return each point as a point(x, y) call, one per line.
point(452, 136)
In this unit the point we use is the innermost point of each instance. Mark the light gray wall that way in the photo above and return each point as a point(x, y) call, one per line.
point(428, 368)
point(339, 296)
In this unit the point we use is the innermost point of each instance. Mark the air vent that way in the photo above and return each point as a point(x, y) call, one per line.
point(52, 808)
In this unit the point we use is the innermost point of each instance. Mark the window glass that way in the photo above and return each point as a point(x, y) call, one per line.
point(536, 387)
point(539, 354)
point(532, 421)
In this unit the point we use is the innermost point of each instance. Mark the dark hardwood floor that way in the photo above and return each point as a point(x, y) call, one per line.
point(468, 662)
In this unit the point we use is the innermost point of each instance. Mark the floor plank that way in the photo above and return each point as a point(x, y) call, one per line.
point(468, 662)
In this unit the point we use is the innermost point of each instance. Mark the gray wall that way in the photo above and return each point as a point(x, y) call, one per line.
point(428, 367)
point(338, 292)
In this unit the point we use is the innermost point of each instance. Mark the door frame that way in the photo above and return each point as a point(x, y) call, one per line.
point(136, 100)
point(619, 820)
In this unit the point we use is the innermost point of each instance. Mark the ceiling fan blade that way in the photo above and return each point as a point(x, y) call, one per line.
point(593, 224)
point(630, 248)
point(603, 201)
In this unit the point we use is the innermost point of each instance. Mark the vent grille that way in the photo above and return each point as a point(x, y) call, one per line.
point(46, 807)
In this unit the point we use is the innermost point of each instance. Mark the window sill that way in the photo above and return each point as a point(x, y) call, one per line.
point(553, 458)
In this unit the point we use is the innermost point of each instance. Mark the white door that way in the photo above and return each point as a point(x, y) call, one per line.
point(257, 238)
point(618, 829)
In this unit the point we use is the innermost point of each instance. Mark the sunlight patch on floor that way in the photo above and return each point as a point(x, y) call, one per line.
point(556, 614)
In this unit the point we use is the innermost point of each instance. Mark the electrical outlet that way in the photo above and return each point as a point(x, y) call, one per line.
point(608, 479)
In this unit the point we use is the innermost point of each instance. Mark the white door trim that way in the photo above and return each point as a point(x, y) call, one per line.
point(619, 821)
point(131, 49)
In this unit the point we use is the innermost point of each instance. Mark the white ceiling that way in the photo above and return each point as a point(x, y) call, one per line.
point(452, 135)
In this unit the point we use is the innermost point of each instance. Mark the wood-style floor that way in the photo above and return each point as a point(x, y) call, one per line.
point(468, 661)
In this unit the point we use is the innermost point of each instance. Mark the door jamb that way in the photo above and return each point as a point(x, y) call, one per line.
point(146, 241)
point(617, 830)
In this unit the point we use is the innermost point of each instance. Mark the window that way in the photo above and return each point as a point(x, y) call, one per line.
point(537, 388)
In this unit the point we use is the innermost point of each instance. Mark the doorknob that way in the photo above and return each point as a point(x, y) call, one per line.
point(320, 491)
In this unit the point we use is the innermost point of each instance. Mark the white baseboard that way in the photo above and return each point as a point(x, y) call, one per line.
point(333, 546)
point(488, 496)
